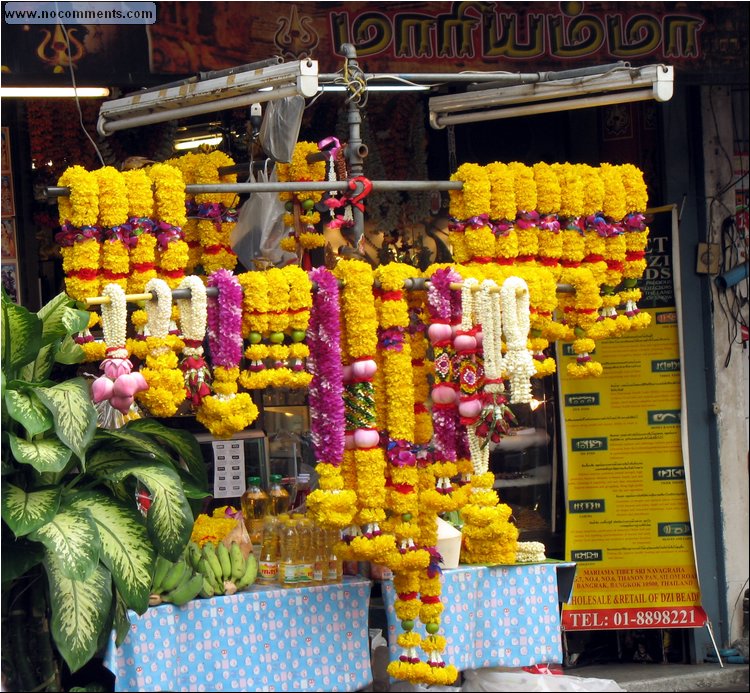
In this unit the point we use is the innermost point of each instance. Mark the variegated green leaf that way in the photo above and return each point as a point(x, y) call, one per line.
point(21, 335)
point(71, 536)
point(59, 318)
point(141, 447)
point(80, 609)
point(45, 454)
point(170, 519)
point(121, 624)
point(73, 413)
point(182, 442)
point(125, 547)
point(24, 512)
point(41, 367)
point(69, 352)
point(25, 408)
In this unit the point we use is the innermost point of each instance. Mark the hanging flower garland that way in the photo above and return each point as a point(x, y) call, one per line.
point(502, 212)
point(300, 213)
point(362, 437)
point(524, 187)
point(142, 240)
point(255, 322)
point(330, 505)
point(193, 318)
point(113, 217)
point(215, 212)
point(169, 209)
point(226, 411)
point(488, 536)
point(471, 201)
point(118, 385)
point(636, 238)
point(300, 302)
point(93, 349)
point(518, 363)
point(548, 205)
point(443, 497)
point(79, 237)
point(186, 164)
point(582, 314)
point(166, 384)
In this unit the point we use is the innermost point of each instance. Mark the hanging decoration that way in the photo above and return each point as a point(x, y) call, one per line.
point(193, 313)
point(227, 411)
point(118, 385)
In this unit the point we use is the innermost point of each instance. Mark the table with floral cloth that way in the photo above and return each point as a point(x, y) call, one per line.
point(495, 616)
point(265, 639)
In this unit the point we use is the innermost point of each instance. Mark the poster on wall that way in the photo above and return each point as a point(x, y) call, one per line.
point(628, 523)
point(9, 271)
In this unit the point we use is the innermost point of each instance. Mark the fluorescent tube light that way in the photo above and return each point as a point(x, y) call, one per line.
point(198, 142)
point(377, 87)
point(621, 85)
point(183, 100)
point(53, 92)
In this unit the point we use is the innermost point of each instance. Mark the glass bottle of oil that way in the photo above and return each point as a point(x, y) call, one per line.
point(278, 495)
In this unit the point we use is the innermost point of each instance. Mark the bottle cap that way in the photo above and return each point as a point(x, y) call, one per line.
point(254, 481)
point(276, 478)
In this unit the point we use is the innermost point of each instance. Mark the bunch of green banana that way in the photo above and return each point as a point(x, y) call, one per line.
point(174, 582)
point(224, 570)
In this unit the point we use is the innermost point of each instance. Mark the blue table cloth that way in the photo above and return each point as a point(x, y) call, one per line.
point(494, 616)
point(265, 639)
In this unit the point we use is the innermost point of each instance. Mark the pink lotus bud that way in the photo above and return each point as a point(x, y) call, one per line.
point(366, 437)
point(114, 368)
point(101, 389)
point(126, 386)
point(122, 404)
point(443, 394)
point(364, 370)
point(439, 332)
point(464, 342)
point(470, 409)
point(349, 440)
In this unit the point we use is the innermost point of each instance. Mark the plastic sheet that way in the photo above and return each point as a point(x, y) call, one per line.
point(480, 680)
point(279, 129)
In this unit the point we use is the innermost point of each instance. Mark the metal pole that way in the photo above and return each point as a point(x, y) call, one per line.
point(340, 186)
point(356, 150)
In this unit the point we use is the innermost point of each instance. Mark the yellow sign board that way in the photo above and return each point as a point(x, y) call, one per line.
point(627, 518)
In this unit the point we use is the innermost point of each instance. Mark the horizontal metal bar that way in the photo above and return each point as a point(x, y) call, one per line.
point(414, 284)
point(341, 185)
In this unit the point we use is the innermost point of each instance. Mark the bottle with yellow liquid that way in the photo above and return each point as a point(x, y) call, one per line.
point(306, 549)
point(320, 564)
point(268, 561)
point(278, 496)
point(289, 551)
point(335, 570)
point(254, 504)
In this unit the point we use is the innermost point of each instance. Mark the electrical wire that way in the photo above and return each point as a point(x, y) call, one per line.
point(75, 92)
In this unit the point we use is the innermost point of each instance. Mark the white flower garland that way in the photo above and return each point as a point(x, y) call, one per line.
point(467, 303)
point(159, 309)
point(193, 313)
point(519, 362)
point(114, 321)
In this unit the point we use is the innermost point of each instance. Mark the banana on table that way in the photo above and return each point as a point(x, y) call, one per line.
point(212, 570)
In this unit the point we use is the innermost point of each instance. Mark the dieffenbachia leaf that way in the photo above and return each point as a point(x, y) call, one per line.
point(44, 454)
point(125, 546)
point(23, 406)
point(72, 538)
point(170, 519)
point(73, 413)
point(79, 611)
point(21, 335)
point(25, 511)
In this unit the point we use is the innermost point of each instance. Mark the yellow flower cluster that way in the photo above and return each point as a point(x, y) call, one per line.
point(211, 528)
point(227, 410)
point(300, 169)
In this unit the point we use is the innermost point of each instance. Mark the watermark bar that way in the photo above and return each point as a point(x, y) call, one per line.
point(79, 12)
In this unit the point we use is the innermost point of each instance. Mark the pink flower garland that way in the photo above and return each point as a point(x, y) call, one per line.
point(224, 321)
point(326, 387)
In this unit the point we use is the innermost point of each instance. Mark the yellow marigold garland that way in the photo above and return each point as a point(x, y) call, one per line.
point(169, 209)
point(113, 214)
point(143, 242)
point(79, 238)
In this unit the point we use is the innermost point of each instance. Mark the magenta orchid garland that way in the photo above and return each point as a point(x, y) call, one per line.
point(224, 320)
point(326, 387)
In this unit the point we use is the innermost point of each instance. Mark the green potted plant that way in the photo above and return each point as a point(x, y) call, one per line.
point(76, 551)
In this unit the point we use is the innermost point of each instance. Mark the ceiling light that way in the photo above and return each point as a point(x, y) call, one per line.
point(198, 142)
point(198, 96)
point(53, 92)
point(620, 85)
